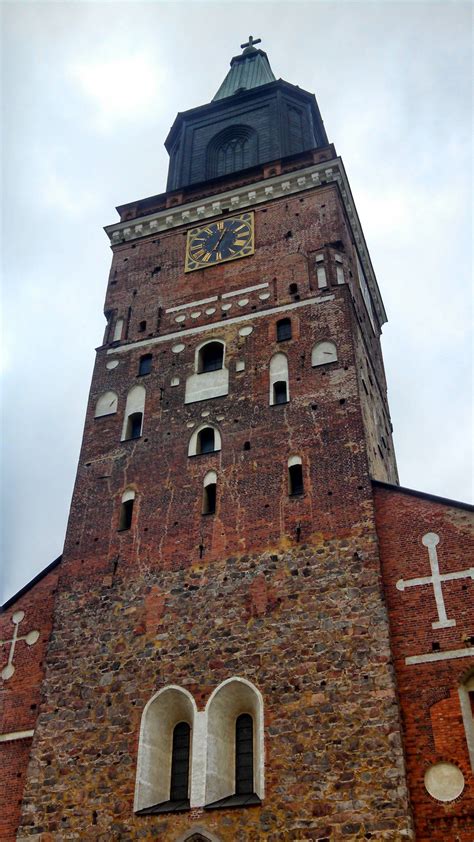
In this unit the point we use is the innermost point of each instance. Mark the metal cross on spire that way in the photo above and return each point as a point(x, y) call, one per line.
point(251, 42)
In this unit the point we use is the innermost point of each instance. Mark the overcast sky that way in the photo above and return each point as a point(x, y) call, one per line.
point(89, 93)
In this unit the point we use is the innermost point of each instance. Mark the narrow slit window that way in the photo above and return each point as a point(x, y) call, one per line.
point(206, 441)
point(295, 480)
point(244, 755)
point(209, 494)
point(211, 357)
point(142, 326)
point(144, 366)
point(179, 788)
point(126, 510)
point(280, 392)
point(283, 330)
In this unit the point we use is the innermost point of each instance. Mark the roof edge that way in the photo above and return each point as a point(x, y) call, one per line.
point(31, 583)
point(446, 501)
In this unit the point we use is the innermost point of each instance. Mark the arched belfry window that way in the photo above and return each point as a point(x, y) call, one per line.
point(234, 148)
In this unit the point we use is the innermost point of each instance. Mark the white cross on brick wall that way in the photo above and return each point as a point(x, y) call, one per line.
point(431, 540)
point(29, 639)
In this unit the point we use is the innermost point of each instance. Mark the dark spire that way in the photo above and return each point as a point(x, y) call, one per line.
point(249, 70)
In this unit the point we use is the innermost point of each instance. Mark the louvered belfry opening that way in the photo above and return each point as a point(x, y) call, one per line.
point(244, 755)
point(180, 762)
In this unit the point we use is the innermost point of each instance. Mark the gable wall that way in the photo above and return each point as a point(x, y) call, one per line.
point(429, 691)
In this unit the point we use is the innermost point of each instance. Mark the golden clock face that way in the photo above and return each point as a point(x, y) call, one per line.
point(226, 239)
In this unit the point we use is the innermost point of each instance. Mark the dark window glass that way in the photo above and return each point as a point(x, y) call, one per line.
point(293, 289)
point(180, 763)
point(142, 326)
point(209, 499)
point(144, 366)
point(296, 480)
point(126, 512)
point(134, 425)
point(280, 394)
point(206, 441)
point(244, 755)
point(211, 357)
point(283, 330)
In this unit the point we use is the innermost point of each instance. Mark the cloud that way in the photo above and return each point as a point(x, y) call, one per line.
point(120, 89)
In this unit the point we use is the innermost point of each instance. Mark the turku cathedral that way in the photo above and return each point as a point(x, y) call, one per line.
point(254, 631)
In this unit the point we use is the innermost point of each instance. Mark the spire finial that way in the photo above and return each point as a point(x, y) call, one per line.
point(250, 43)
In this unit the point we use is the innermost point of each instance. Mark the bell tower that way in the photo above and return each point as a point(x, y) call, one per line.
point(220, 633)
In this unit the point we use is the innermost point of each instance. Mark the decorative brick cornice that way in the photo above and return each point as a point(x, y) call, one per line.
point(317, 175)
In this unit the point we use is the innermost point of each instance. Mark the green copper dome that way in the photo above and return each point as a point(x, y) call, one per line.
point(249, 70)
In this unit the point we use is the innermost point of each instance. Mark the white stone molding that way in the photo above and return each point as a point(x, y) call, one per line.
point(244, 290)
point(278, 374)
point(106, 404)
point(444, 781)
point(30, 639)
point(233, 697)
point(323, 352)
point(135, 403)
point(332, 172)
point(193, 331)
point(191, 304)
point(16, 735)
point(210, 729)
point(193, 441)
point(430, 541)
point(161, 714)
point(430, 657)
point(465, 689)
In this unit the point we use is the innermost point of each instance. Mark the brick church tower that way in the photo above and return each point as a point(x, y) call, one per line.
point(220, 665)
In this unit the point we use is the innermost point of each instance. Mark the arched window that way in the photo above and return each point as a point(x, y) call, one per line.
point(106, 405)
point(164, 750)
point(323, 352)
point(211, 357)
point(126, 510)
point(279, 386)
point(206, 439)
point(295, 476)
point(283, 330)
point(179, 787)
point(235, 758)
point(211, 377)
point(234, 148)
point(134, 411)
point(209, 495)
point(244, 754)
point(144, 366)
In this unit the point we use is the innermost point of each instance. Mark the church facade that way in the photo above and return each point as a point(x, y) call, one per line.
point(254, 632)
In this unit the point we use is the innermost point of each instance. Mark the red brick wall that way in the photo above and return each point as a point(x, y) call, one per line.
point(20, 698)
point(429, 695)
point(302, 619)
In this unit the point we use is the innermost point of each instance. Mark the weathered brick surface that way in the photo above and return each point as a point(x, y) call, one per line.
point(429, 697)
point(20, 695)
point(192, 600)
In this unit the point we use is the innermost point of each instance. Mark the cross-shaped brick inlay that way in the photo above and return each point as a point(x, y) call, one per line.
point(29, 639)
point(431, 540)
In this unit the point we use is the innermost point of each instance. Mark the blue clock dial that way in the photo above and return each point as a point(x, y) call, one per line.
point(226, 239)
